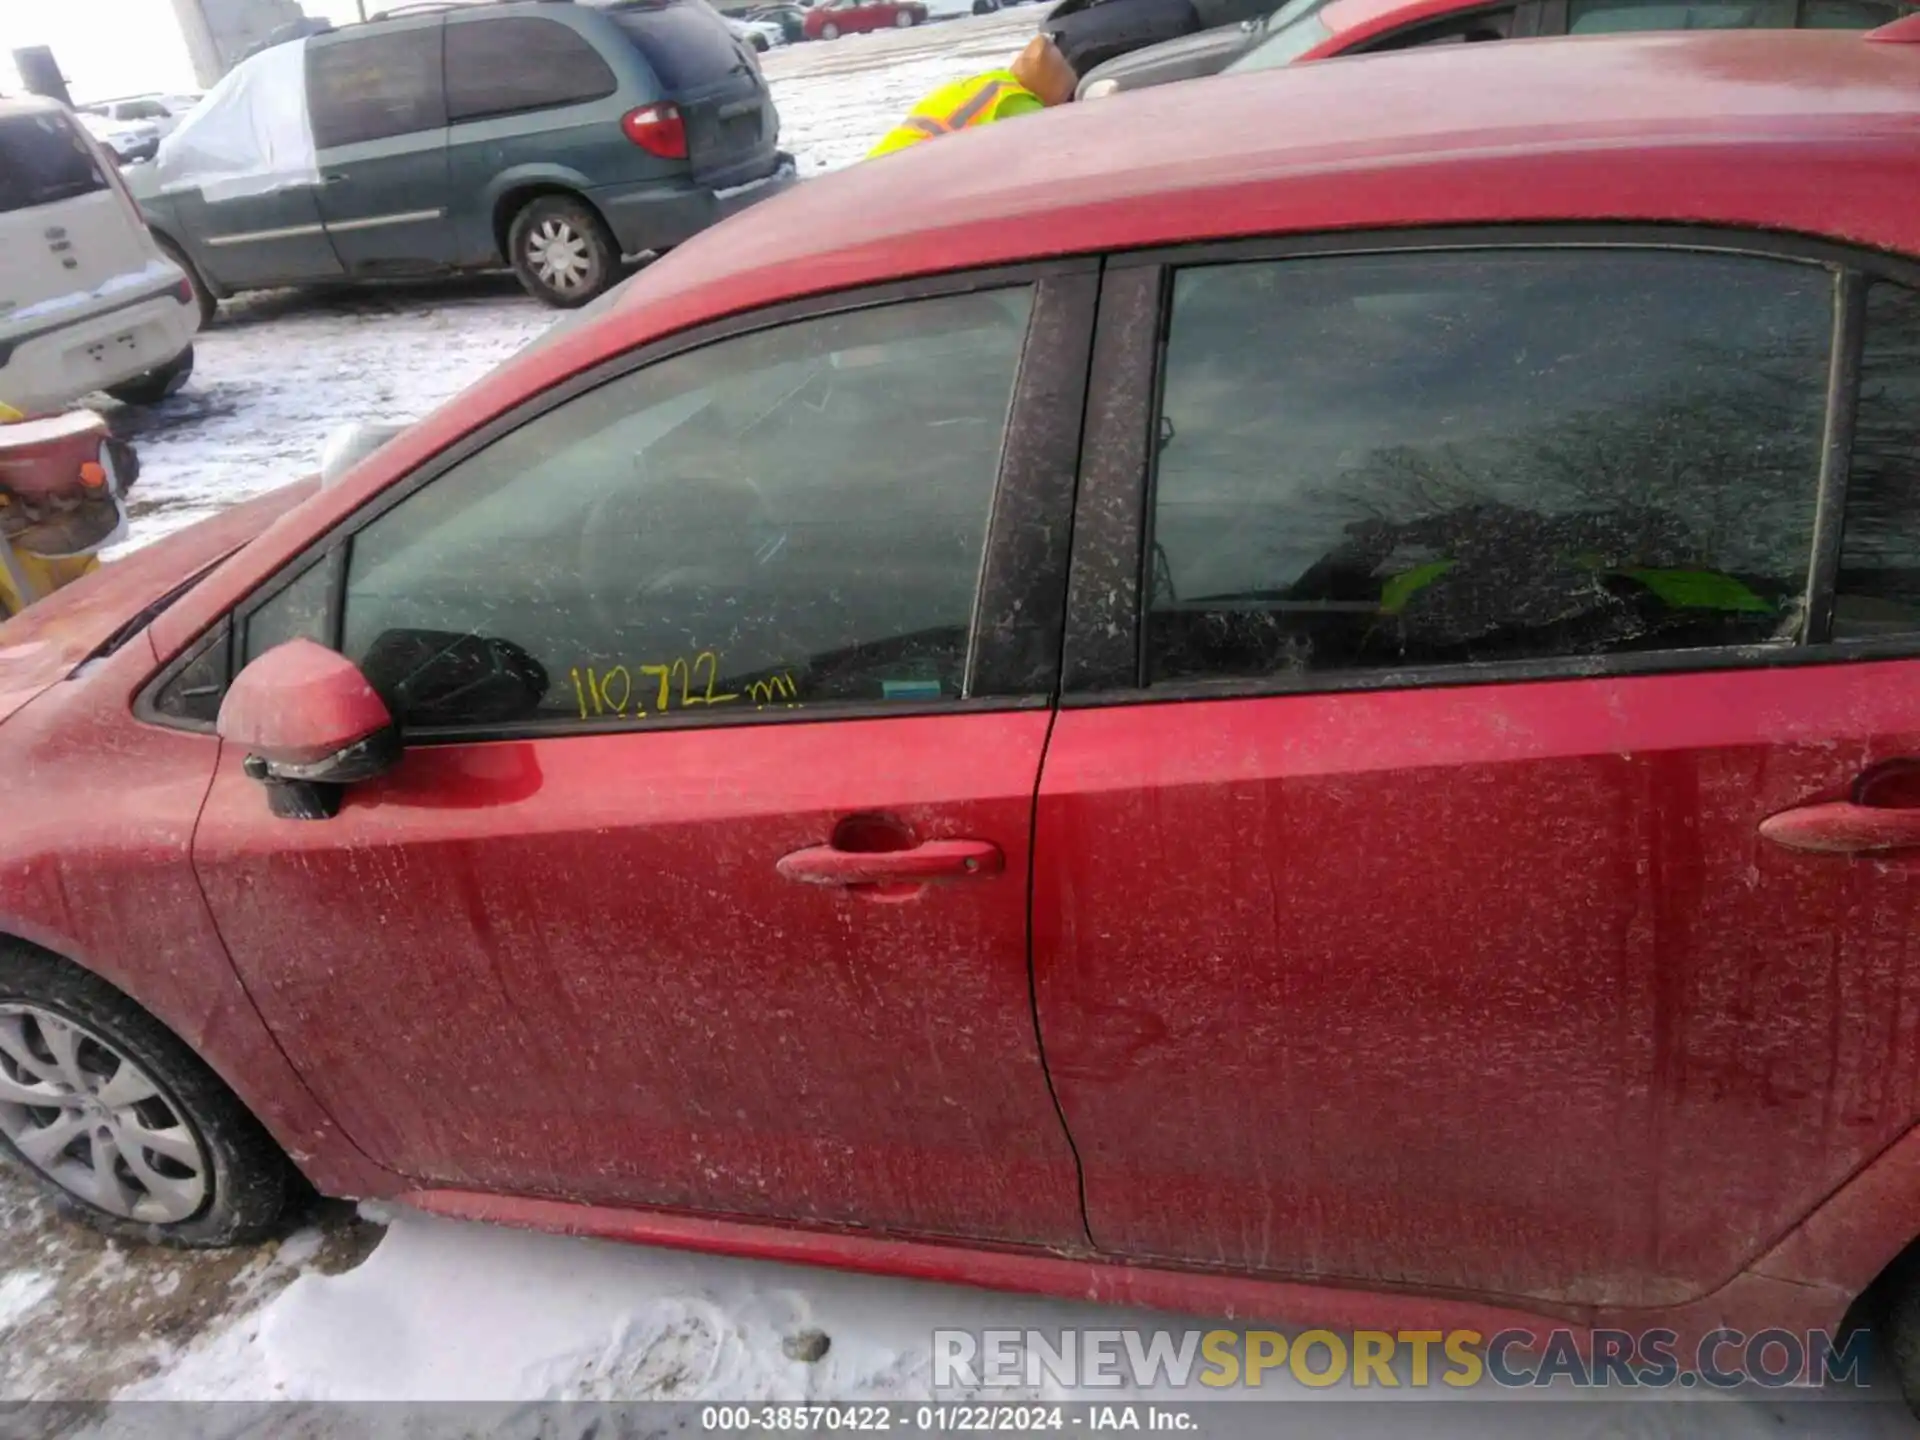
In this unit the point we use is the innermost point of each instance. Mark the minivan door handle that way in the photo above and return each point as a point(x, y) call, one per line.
point(931, 860)
point(1844, 828)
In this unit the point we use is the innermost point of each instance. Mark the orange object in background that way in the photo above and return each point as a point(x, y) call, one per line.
point(61, 482)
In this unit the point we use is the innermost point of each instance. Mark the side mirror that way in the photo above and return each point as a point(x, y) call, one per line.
point(310, 723)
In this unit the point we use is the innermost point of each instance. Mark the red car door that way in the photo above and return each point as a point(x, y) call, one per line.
point(1403, 908)
point(702, 880)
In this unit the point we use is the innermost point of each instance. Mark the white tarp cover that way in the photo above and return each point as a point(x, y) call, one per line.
point(249, 135)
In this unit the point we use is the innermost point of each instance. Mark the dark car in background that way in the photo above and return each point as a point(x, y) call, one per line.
point(1319, 29)
point(555, 137)
point(791, 19)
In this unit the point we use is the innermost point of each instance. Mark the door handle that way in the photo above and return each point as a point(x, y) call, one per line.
point(1844, 828)
point(933, 860)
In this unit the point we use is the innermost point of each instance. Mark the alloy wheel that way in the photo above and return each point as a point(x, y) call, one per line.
point(94, 1122)
point(560, 256)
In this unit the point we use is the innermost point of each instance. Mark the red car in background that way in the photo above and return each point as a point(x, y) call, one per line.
point(1314, 717)
point(831, 19)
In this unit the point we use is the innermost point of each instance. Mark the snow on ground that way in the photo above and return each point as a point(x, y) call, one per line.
point(407, 1306)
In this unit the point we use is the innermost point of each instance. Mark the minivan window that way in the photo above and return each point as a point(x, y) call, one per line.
point(368, 87)
point(686, 43)
point(1407, 461)
point(506, 65)
point(44, 159)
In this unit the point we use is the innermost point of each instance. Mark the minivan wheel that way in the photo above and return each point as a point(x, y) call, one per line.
point(829, 31)
point(157, 384)
point(126, 1128)
point(561, 252)
point(208, 302)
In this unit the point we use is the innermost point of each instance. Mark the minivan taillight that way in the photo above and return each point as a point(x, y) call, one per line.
point(657, 129)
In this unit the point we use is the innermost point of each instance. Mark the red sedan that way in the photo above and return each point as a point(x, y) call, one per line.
point(831, 19)
point(1315, 717)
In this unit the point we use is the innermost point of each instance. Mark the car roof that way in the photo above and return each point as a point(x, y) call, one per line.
point(1776, 130)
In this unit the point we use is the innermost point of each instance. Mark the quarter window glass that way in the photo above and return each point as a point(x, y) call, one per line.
point(788, 517)
point(1879, 587)
point(1607, 17)
point(500, 66)
point(1417, 460)
point(369, 88)
point(298, 612)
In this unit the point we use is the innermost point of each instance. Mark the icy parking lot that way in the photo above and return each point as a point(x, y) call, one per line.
point(392, 1304)
point(281, 370)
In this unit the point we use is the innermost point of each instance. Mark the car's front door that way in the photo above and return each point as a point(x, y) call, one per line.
point(1403, 913)
point(377, 102)
point(703, 879)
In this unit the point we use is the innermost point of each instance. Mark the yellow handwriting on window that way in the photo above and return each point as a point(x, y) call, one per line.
point(676, 684)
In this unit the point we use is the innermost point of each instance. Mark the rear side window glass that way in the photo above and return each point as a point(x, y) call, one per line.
point(506, 65)
point(1879, 587)
point(790, 517)
point(374, 86)
point(1607, 17)
point(686, 43)
point(44, 159)
point(1423, 460)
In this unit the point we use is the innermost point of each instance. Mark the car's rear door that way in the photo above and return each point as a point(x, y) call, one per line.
point(377, 102)
point(1446, 623)
point(703, 881)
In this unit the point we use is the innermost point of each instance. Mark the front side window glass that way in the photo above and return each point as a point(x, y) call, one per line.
point(788, 517)
point(1434, 459)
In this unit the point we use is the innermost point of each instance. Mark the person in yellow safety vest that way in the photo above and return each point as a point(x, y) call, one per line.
point(1039, 77)
point(26, 574)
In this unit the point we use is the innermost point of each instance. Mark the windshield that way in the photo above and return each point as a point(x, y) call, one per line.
point(1288, 33)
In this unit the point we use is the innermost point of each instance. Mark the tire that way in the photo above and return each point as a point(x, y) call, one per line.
point(585, 263)
point(157, 384)
point(759, 43)
point(903, 20)
point(829, 31)
point(219, 1180)
point(208, 302)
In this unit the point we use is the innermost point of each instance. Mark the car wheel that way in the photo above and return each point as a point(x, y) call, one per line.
point(903, 20)
point(829, 31)
point(208, 302)
point(125, 1127)
point(562, 252)
point(157, 384)
point(759, 43)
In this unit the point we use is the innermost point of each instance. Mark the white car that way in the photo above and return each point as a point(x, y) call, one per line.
point(87, 301)
point(762, 35)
